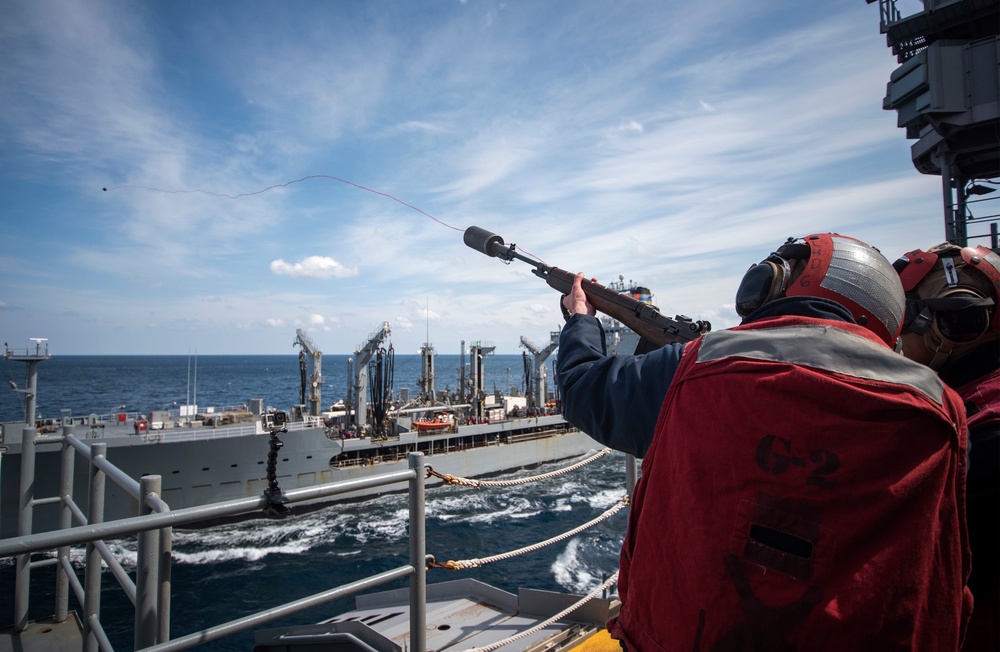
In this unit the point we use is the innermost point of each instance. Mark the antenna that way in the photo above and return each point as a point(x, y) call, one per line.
point(187, 396)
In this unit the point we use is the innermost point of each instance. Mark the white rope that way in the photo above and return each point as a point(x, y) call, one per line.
point(542, 625)
point(469, 482)
point(476, 563)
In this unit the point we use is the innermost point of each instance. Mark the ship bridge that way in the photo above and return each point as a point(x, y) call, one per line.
point(946, 93)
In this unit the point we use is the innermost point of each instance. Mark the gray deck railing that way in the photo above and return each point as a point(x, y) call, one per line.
point(150, 593)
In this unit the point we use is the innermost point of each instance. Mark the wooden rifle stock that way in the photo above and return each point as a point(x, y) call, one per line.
point(654, 328)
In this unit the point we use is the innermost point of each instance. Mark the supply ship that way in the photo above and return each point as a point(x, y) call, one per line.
point(207, 454)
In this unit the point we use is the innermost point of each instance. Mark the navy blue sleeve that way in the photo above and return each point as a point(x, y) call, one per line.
point(615, 399)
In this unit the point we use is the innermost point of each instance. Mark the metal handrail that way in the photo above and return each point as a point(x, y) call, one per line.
point(150, 593)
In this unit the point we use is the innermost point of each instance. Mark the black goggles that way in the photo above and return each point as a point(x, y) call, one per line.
point(960, 318)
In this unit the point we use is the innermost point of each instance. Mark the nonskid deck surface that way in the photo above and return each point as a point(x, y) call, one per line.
point(44, 635)
point(460, 615)
point(457, 623)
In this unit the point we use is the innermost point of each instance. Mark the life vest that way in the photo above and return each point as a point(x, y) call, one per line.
point(982, 400)
point(804, 491)
point(982, 404)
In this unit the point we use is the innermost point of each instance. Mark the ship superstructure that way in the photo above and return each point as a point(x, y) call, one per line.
point(945, 92)
point(620, 338)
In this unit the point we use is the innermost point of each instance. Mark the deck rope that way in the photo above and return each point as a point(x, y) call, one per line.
point(545, 623)
point(478, 484)
point(465, 564)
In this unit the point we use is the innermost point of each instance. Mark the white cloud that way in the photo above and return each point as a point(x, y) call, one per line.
point(667, 145)
point(319, 267)
point(419, 126)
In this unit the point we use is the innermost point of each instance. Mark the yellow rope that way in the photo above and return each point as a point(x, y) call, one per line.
point(545, 623)
point(476, 563)
point(447, 478)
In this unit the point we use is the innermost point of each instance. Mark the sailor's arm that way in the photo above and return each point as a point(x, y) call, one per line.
point(616, 399)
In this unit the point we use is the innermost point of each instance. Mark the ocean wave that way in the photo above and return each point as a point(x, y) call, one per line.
point(570, 571)
point(245, 554)
point(385, 527)
point(513, 509)
point(584, 564)
point(603, 499)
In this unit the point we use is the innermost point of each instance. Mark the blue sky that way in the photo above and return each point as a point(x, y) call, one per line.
point(671, 143)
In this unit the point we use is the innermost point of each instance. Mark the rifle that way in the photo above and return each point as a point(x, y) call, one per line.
point(654, 328)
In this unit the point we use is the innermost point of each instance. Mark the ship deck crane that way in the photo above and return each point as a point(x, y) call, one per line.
point(315, 383)
point(477, 351)
point(359, 379)
point(539, 356)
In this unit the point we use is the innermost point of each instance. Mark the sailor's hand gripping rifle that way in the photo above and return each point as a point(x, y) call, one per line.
point(654, 328)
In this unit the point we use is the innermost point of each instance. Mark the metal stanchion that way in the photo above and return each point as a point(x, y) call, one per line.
point(92, 577)
point(418, 556)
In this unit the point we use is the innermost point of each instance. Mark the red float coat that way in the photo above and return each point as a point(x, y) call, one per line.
point(982, 398)
point(804, 491)
point(982, 404)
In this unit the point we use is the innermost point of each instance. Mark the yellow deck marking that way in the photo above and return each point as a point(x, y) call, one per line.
point(599, 642)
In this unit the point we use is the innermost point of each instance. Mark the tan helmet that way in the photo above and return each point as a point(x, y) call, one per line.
point(951, 298)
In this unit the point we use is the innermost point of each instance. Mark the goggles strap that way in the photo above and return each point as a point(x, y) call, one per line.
point(942, 351)
point(919, 317)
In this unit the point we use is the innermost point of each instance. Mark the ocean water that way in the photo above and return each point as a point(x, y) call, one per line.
point(86, 384)
point(233, 570)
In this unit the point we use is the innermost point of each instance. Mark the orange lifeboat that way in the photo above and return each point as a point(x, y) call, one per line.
point(430, 426)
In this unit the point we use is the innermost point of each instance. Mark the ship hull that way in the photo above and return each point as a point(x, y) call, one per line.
point(200, 470)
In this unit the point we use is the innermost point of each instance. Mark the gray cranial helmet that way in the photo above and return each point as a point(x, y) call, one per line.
point(858, 277)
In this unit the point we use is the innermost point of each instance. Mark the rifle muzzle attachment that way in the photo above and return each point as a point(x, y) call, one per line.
point(484, 242)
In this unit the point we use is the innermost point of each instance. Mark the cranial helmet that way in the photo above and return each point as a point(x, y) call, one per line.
point(830, 266)
point(951, 298)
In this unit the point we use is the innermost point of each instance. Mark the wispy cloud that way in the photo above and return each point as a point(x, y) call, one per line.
point(320, 267)
point(671, 143)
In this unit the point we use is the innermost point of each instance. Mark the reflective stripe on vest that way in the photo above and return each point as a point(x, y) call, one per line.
point(825, 351)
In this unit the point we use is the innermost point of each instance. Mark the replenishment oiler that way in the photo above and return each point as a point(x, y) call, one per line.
point(206, 455)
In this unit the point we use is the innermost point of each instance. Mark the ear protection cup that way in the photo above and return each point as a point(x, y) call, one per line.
point(769, 279)
point(763, 282)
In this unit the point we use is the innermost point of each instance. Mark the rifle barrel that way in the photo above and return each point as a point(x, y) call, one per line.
point(646, 320)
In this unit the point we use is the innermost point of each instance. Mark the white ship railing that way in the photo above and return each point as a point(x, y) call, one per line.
point(200, 434)
point(221, 432)
point(99, 426)
point(150, 592)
